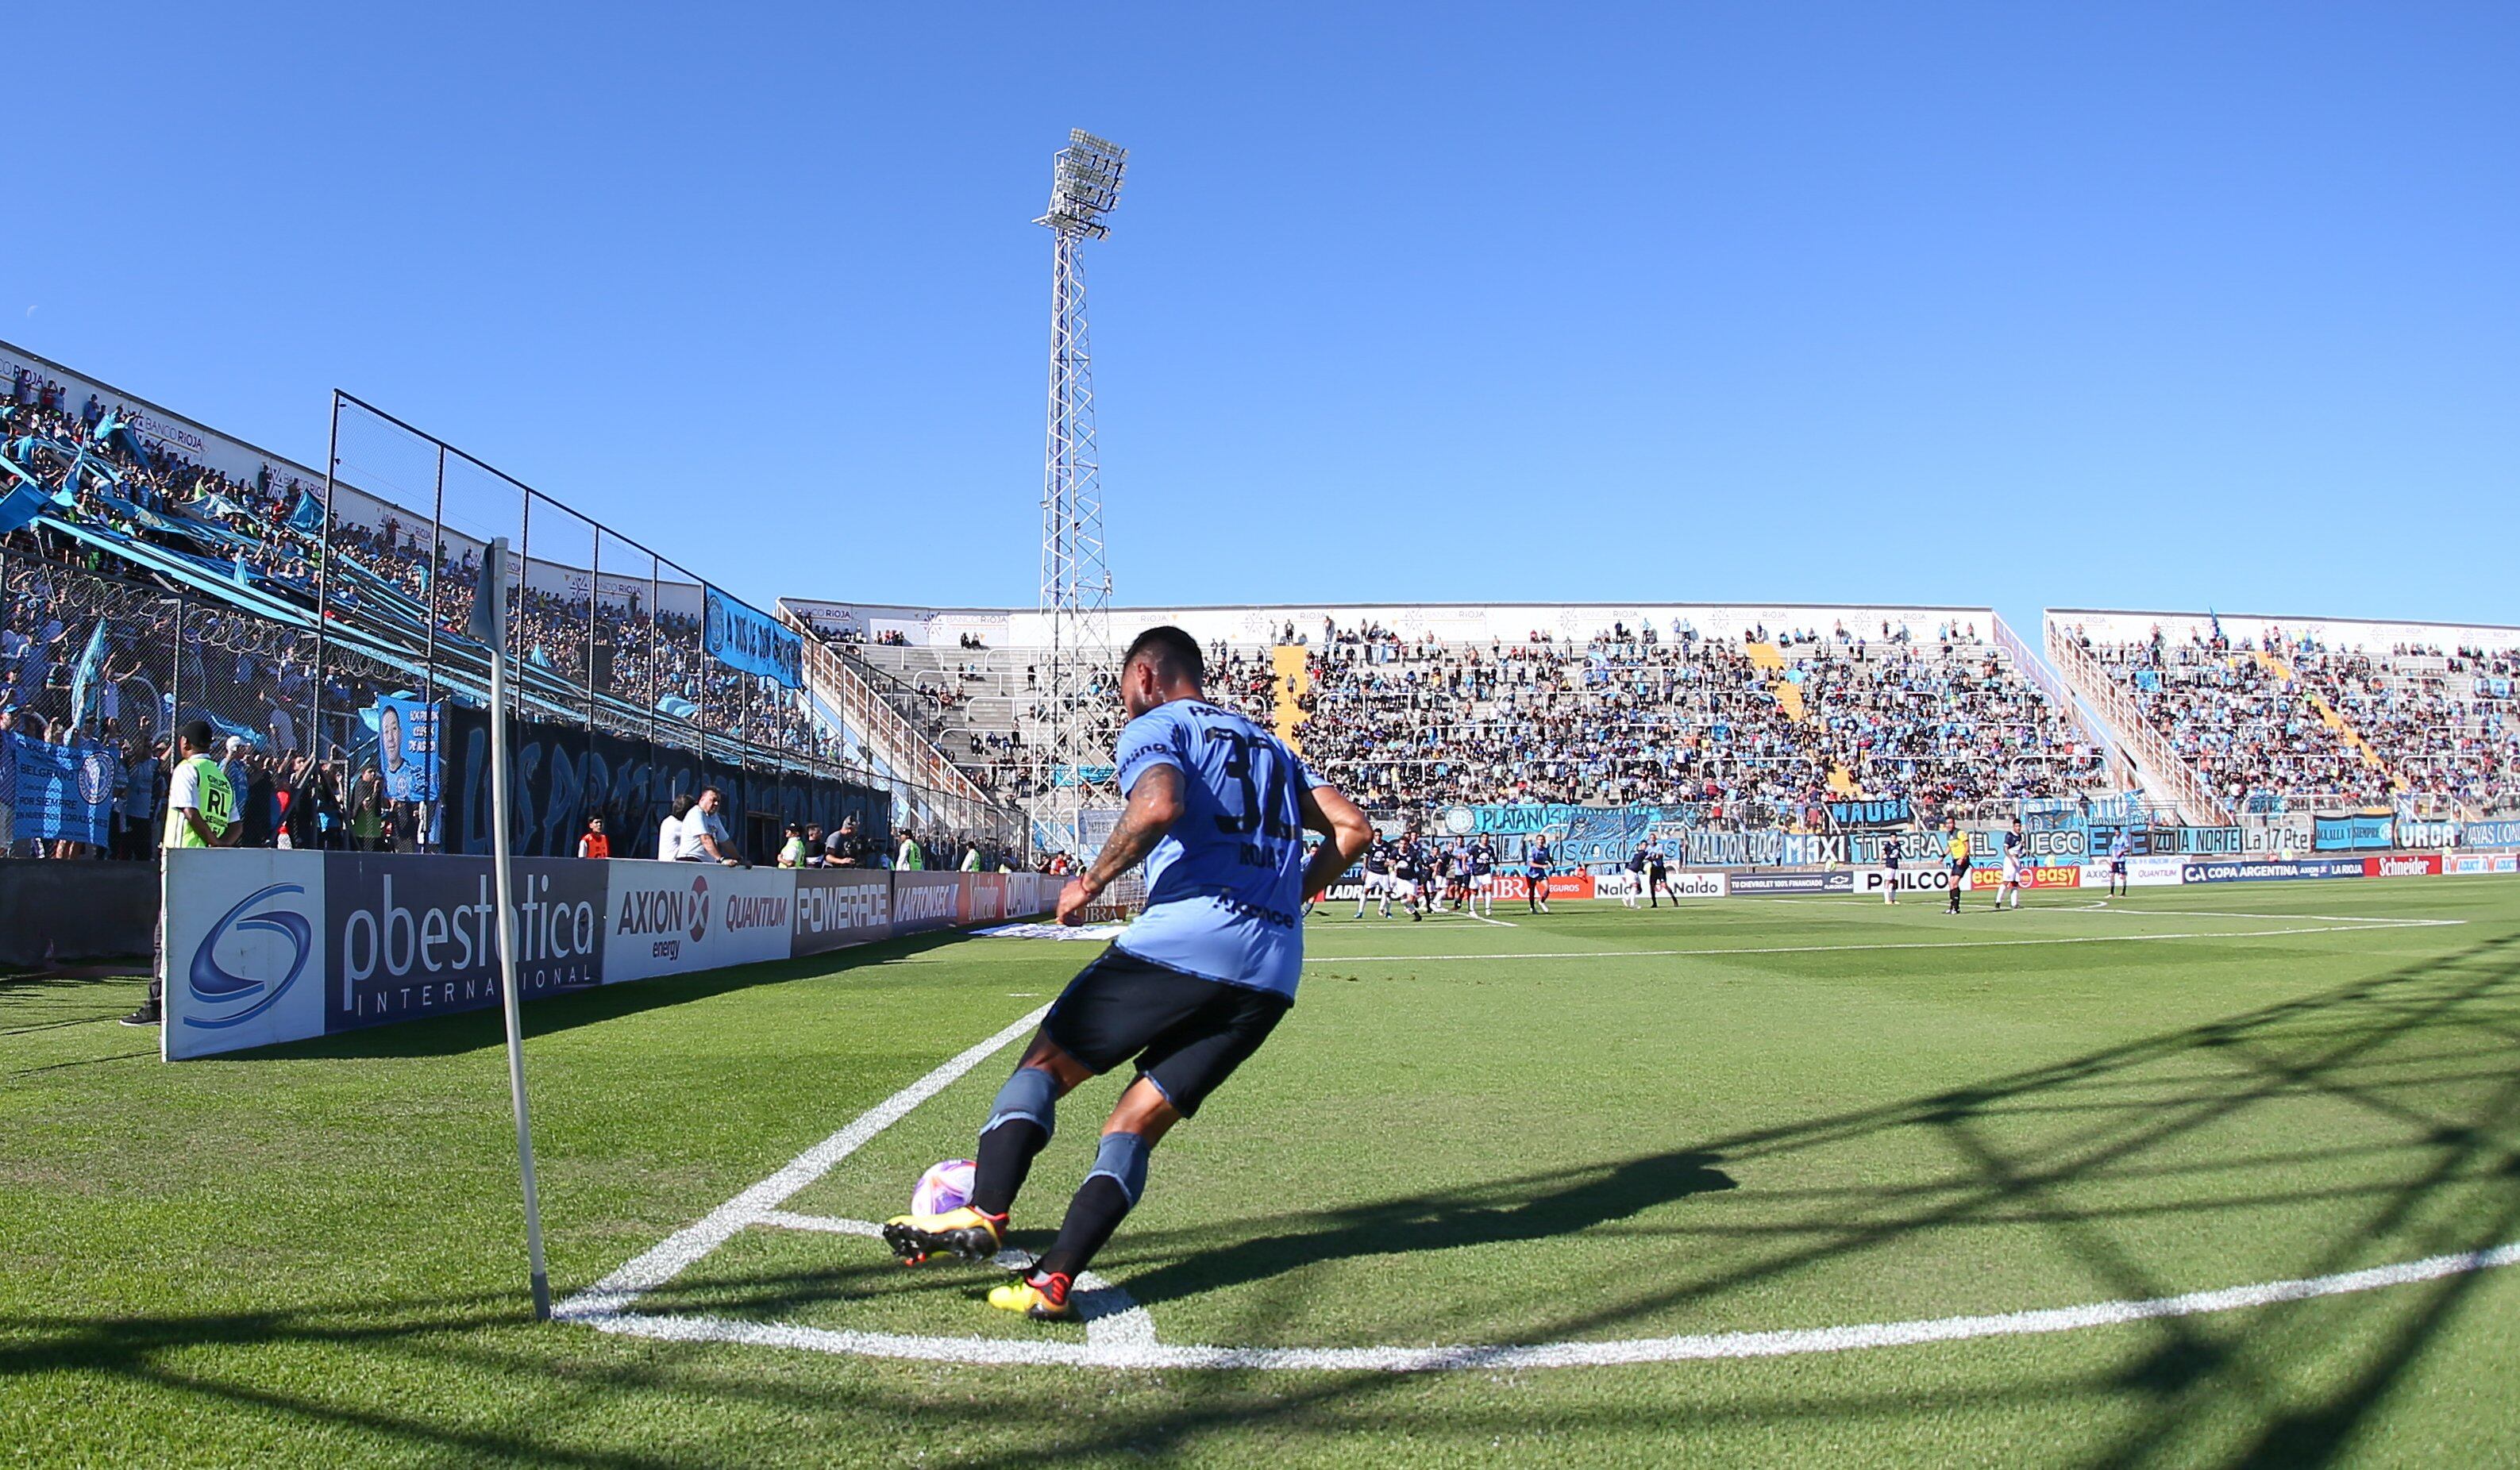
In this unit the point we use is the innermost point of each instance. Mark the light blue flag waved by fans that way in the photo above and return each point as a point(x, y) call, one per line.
point(308, 515)
point(24, 502)
point(494, 573)
point(83, 683)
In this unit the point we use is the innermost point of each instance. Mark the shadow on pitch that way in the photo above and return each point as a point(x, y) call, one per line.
point(550, 1015)
point(1541, 1206)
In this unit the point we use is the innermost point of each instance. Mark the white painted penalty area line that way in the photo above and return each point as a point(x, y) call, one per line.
point(1815, 949)
point(1792, 1342)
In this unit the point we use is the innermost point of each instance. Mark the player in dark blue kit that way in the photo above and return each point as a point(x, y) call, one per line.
point(1536, 864)
point(1217, 807)
point(1484, 870)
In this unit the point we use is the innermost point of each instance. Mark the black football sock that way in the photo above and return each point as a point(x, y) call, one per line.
point(1005, 1158)
point(1101, 1202)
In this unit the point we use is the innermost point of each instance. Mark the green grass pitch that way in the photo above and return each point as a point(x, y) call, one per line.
point(1601, 1126)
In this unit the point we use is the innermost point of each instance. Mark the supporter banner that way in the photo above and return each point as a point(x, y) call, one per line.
point(2056, 845)
point(407, 748)
point(1705, 849)
point(925, 901)
point(1893, 813)
point(1748, 883)
point(1815, 850)
point(2473, 864)
point(565, 773)
point(839, 907)
point(675, 918)
point(753, 641)
point(2285, 832)
point(1876, 882)
point(2424, 832)
point(2503, 833)
point(2252, 872)
point(64, 792)
point(2334, 832)
point(2422, 865)
point(414, 935)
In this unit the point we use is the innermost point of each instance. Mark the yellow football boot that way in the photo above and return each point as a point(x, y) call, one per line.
point(965, 1232)
point(1040, 1297)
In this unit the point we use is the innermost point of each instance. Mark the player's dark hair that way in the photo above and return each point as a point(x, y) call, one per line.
point(1175, 653)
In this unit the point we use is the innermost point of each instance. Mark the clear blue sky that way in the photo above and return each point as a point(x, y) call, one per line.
point(2167, 305)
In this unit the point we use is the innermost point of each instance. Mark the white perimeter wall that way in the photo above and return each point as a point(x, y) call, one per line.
point(2119, 626)
point(1450, 622)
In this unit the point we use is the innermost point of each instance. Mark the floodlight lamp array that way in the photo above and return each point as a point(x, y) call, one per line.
point(1085, 186)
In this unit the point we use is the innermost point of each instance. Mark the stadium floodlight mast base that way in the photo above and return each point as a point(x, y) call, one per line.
point(1075, 577)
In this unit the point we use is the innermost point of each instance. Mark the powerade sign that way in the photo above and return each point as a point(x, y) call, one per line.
point(2334, 833)
point(2258, 872)
point(418, 935)
point(836, 908)
point(1752, 884)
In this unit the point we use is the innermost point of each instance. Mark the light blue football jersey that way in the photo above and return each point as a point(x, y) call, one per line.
point(1224, 887)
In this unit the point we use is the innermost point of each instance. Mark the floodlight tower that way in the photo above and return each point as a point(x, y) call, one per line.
point(1075, 579)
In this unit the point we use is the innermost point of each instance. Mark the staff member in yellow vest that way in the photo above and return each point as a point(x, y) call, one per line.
point(200, 812)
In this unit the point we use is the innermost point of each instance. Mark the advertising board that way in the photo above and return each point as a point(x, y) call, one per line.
point(2411, 866)
point(2266, 871)
point(1874, 882)
point(1746, 884)
point(1984, 878)
point(414, 935)
point(840, 907)
point(245, 954)
point(2477, 865)
point(925, 901)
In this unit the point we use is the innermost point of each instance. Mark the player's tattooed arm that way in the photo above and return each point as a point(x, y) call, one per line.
point(1154, 805)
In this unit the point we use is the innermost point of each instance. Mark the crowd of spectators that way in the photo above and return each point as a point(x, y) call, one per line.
point(2285, 721)
point(616, 658)
point(1641, 713)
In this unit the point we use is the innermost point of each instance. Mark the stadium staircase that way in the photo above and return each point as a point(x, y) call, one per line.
point(2166, 777)
point(2330, 716)
point(1292, 664)
point(888, 735)
point(1770, 659)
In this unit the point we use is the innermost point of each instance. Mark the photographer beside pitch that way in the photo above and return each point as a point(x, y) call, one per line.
point(1216, 807)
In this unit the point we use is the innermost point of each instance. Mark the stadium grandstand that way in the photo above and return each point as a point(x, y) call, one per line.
point(157, 571)
point(1740, 716)
point(1773, 717)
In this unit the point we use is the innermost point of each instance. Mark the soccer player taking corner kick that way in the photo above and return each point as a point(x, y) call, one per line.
point(1216, 808)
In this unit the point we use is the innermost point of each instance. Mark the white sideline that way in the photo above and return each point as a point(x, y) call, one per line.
point(1149, 1354)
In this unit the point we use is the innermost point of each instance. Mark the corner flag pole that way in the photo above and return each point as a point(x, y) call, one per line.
point(490, 625)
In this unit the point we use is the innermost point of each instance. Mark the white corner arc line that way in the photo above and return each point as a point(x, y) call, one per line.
point(1120, 1334)
point(669, 1258)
